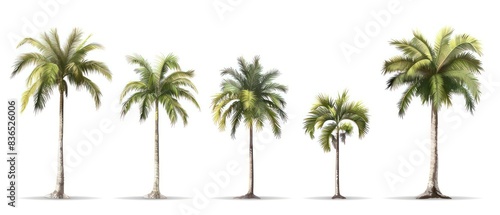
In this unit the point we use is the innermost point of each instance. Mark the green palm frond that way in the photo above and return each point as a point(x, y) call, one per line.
point(48, 81)
point(133, 86)
point(421, 44)
point(248, 99)
point(166, 63)
point(93, 89)
point(74, 38)
point(144, 69)
point(28, 59)
point(39, 70)
point(135, 98)
point(324, 137)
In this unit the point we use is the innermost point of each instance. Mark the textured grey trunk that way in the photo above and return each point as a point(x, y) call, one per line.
point(250, 194)
point(155, 194)
point(337, 169)
point(59, 191)
point(432, 190)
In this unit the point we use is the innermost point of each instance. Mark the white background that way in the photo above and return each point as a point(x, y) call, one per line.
point(292, 174)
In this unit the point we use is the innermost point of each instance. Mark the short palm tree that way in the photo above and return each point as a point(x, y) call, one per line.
point(56, 67)
point(157, 87)
point(335, 119)
point(251, 96)
point(435, 73)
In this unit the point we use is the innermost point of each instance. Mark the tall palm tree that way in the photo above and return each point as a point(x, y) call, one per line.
point(57, 66)
point(435, 73)
point(157, 87)
point(252, 96)
point(335, 119)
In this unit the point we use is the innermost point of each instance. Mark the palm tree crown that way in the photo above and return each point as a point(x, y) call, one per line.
point(435, 73)
point(156, 86)
point(56, 65)
point(250, 95)
point(331, 116)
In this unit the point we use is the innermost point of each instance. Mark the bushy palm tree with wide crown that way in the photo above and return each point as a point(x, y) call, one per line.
point(434, 74)
point(252, 97)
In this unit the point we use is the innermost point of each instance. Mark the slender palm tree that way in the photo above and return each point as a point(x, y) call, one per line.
point(157, 87)
point(335, 119)
point(252, 96)
point(435, 73)
point(57, 66)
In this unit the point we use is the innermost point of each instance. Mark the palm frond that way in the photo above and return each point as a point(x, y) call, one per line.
point(26, 60)
point(408, 48)
point(80, 53)
point(457, 46)
point(48, 81)
point(422, 45)
point(144, 69)
point(397, 64)
point(166, 63)
point(324, 137)
point(133, 86)
point(89, 66)
point(136, 97)
point(405, 100)
point(71, 44)
point(93, 89)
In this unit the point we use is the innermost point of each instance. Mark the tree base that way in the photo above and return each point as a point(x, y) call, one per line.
point(57, 195)
point(432, 193)
point(155, 195)
point(338, 196)
point(248, 196)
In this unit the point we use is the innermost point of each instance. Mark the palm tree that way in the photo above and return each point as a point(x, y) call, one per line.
point(155, 87)
point(251, 96)
point(56, 66)
point(435, 73)
point(335, 119)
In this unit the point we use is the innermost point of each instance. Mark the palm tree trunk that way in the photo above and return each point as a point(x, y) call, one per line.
point(432, 190)
point(155, 194)
point(337, 169)
point(59, 191)
point(250, 194)
point(250, 185)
